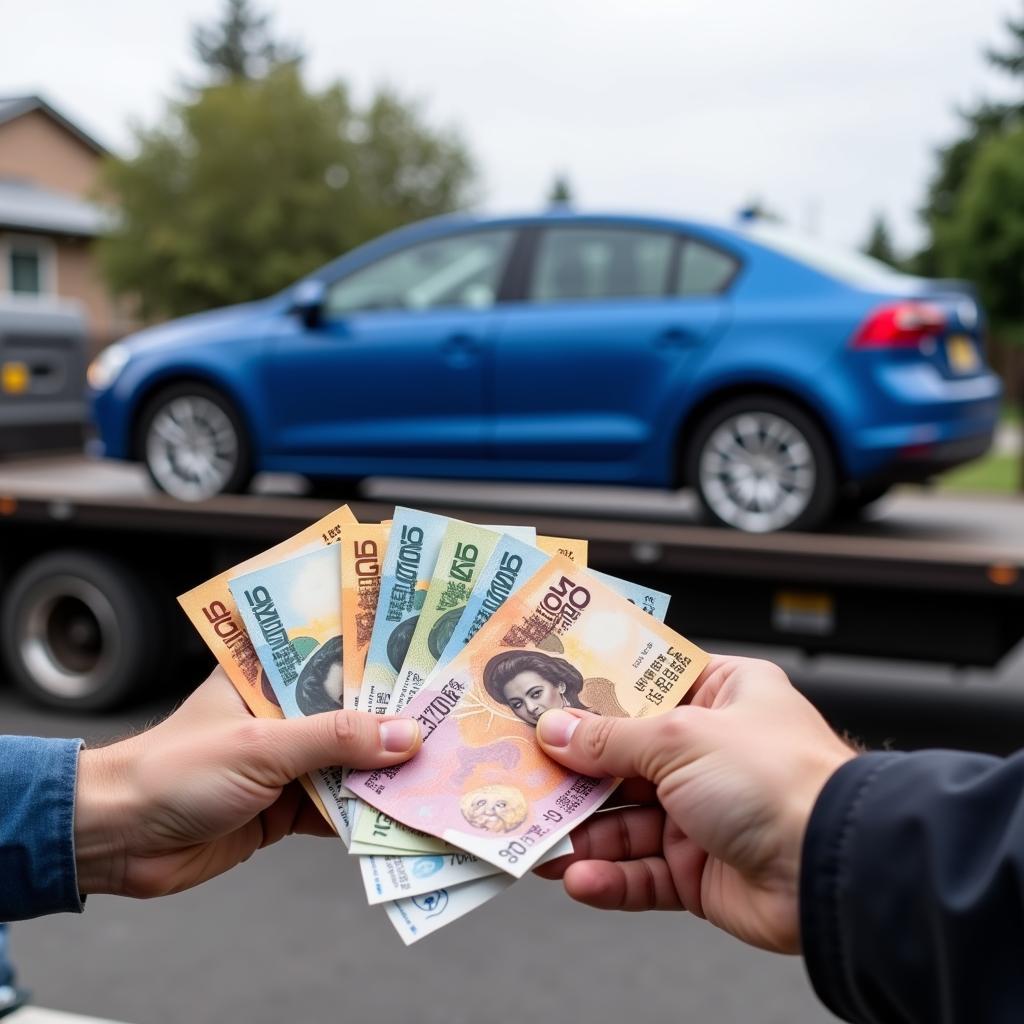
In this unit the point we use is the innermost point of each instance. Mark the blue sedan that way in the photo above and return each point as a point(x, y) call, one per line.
point(781, 380)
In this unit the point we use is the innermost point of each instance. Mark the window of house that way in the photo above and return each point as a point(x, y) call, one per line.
point(26, 266)
point(25, 272)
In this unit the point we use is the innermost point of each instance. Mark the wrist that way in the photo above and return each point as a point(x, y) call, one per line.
point(815, 775)
point(103, 813)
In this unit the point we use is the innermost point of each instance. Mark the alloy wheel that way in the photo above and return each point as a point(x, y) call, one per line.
point(192, 448)
point(757, 472)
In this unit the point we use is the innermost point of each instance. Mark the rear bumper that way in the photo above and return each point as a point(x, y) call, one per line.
point(918, 463)
point(918, 423)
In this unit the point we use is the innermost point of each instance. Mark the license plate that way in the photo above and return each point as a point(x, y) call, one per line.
point(14, 378)
point(811, 612)
point(962, 353)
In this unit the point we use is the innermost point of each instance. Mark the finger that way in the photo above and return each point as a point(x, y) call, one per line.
point(613, 835)
point(293, 747)
point(726, 677)
point(644, 884)
point(632, 793)
point(278, 819)
point(710, 681)
point(310, 822)
point(646, 748)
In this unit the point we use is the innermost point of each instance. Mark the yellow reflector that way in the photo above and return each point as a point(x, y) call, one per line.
point(14, 378)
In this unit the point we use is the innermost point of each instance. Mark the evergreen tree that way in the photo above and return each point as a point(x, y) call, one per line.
point(986, 121)
point(879, 243)
point(240, 45)
point(561, 192)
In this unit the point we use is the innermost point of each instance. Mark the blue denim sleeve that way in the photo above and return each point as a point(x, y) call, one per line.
point(37, 818)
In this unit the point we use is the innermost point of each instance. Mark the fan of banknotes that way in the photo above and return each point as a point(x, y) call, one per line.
point(472, 630)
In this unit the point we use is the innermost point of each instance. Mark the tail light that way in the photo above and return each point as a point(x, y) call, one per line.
point(900, 325)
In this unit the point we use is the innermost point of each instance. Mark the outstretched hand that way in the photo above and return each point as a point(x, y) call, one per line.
point(201, 792)
point(722, 789)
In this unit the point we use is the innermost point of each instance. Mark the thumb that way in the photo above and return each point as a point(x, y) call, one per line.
point(293, 747)
point(624, 748)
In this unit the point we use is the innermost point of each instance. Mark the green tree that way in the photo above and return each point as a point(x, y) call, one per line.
point(985, 121)
point(253, 181)
point(240, 44)
point(983, 239)
point(879, 242)
point(560, 192)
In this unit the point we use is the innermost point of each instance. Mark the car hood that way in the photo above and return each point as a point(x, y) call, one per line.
point(199, 328)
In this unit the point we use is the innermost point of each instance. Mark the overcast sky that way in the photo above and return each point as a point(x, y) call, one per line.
point(825, 109)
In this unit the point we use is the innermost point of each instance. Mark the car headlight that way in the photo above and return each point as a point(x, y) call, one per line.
point(106, 367)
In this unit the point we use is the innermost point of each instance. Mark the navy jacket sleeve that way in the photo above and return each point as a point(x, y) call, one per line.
point(37, 818)
point(912, 889)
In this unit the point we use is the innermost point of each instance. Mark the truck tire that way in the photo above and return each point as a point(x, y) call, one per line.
point(80, 631)
point(193, 443)
point(760, 464)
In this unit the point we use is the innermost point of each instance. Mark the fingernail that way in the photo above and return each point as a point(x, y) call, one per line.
point(399, 735)
point(556, 727)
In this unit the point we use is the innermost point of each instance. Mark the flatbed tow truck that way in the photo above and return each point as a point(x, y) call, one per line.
point(91, 561)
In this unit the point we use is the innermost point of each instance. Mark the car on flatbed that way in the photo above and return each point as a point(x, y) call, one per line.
point(783, 381)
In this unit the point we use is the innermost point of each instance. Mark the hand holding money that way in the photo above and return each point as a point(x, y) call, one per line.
point(478, 629)
point(722, 790)
point(201, 792)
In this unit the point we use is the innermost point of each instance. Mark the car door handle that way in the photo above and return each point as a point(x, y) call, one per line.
point(460, 349)
point(676, 337)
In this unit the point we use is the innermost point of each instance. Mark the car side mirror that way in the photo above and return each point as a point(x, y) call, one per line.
point(308, 302)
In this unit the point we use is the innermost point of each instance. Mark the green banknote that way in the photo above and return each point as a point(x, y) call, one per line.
point(413, 545)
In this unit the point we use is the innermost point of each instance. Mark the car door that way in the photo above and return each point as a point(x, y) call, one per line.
point(395, 368)
point(585, 364)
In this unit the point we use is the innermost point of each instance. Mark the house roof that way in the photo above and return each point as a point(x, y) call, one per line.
point(27, 207)
point(14, 106)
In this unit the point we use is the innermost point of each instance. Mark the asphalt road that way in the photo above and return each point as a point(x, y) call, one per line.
point(288, 937)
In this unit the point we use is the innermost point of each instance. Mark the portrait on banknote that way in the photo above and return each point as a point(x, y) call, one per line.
point(531, 682)
point(495, 808)
point(319, 685)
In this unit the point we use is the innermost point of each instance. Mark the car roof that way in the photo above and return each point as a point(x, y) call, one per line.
point(770, 245)
point(449, 223)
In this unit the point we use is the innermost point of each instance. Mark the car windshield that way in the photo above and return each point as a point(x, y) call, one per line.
point(853, 268)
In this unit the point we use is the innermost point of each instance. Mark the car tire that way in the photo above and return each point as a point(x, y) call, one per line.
point(761, 464)
point(851, 507)
point(80, 631)
point(193, 443)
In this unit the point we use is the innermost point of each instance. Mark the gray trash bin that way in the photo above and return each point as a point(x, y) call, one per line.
point(42, 378)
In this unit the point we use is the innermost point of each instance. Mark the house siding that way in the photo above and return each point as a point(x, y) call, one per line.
point(34, 148)
point(39, 150)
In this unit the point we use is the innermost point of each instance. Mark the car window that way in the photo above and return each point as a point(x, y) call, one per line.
point(704, 270)
point(600, 263)
point(460, 271)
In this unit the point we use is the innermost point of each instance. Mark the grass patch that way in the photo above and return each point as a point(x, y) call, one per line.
point(998, 473)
